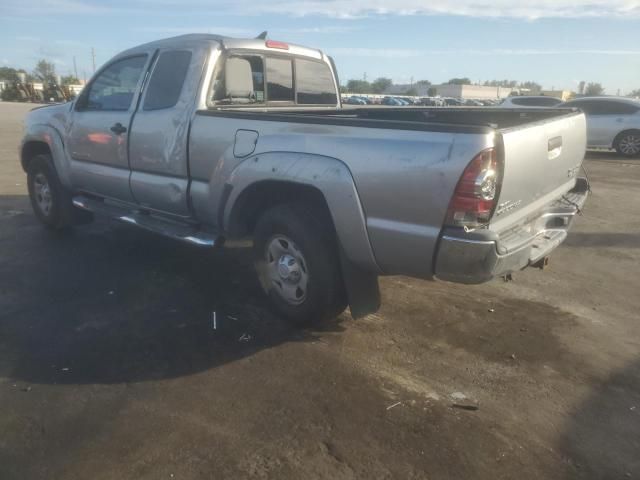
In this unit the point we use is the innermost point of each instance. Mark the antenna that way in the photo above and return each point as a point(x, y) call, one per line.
point(262, 36)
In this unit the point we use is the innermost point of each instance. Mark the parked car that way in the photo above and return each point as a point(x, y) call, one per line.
point(452, 102)
point(612, 122)
point(391, 101)
point(540, 101)
point(188, 137)
point(355, 101)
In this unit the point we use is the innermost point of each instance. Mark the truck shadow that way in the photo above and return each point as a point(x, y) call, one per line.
point(602, 437)
point(106, 303)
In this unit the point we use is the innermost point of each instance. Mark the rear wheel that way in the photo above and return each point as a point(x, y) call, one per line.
point(628, 143)
point(50, 200)
point(297, 261)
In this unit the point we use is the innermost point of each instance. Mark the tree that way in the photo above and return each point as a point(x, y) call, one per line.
point(593, 89)
point(501, 83)
point(423, 83)
point(45, 72)
point(412, 92)
point(358, 86)
point(533, 86)
point(8, 74)
point(432, 91)
point(635, 93)
point(381, 84)
point(459, 81)
point(69, 80)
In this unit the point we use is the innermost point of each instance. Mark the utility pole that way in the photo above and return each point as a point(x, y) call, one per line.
point(93, 59)
point(75, 67)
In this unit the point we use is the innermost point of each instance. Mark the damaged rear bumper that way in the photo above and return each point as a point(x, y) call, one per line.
point(479, 256)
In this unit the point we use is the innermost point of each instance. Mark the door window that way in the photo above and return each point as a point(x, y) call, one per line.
point(114, 88)
point(167, 79)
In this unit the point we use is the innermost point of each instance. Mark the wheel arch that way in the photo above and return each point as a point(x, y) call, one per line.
point(43, 139)
point(270, 177)
point(623, 132)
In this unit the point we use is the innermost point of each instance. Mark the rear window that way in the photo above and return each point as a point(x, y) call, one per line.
point(314, 84)
point(279, 80)
point(536, 102)
point(167, 80)
point(604, 107)
point(271, 80)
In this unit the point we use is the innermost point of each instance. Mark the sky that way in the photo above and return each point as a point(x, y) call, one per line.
point(556, 43)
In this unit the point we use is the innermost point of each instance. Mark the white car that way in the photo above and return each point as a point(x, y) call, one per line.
point(530, 101)
point(612, 122)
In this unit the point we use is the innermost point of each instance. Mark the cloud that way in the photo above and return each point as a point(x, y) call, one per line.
point(473, 8)
point(378, 52)
point(344, 9)
point(407, 53)
point(228, 31)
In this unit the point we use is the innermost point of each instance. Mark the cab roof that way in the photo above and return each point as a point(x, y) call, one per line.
point(198, 39)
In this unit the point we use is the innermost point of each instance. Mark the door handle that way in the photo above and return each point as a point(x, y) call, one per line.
point(118, 128)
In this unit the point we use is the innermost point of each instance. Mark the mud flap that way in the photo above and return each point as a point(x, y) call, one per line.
point(363, 291)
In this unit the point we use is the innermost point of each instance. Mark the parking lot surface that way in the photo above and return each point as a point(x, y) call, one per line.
point(110, 367)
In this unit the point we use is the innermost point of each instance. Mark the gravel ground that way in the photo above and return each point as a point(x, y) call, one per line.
point(110, 367)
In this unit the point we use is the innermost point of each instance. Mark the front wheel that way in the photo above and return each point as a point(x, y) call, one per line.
point(50, 200)
point(297, 261)
point(628, 144)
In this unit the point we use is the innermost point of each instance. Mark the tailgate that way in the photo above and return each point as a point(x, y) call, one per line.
point(541, 162)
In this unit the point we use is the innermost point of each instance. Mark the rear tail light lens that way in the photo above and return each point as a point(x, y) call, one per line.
point(276, 44)
point(475, 195)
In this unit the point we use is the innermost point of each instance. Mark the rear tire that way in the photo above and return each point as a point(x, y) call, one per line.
point(628, 143)
point(297, 261)
point(50, 200)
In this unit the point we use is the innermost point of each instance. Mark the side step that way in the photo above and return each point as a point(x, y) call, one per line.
point(152, 222)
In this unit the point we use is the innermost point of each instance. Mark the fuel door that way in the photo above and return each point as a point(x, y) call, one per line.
point(245, 144)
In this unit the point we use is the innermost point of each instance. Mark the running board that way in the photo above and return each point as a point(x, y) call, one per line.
point(149, 221)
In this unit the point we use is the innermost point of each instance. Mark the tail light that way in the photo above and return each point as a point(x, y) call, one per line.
point(276, 44)
point(475, 195)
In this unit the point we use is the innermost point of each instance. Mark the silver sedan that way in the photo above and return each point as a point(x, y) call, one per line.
point(612, 122)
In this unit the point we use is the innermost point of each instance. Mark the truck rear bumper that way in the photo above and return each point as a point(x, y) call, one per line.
point(481, 255)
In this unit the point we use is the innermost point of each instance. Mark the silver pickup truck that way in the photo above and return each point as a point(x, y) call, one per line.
point(205, 138)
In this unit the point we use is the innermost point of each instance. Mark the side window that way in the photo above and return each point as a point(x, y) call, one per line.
point(314, 84)
point(618, 108)
point(548, 102)
point(279, 80)
point(584, 105)
point(114, 88)
point(167, 79)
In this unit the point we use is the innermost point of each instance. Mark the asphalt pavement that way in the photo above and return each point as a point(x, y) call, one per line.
point(111, 368)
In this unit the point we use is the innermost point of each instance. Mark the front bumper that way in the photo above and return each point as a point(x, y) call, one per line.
point(479, 256)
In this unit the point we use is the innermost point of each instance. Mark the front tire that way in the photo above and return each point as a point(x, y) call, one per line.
point(628, 144)
point(296, 258)
point(50, 200)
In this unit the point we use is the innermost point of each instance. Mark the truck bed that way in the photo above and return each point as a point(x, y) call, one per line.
point(433, 119)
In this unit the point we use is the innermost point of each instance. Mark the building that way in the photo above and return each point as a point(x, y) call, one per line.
point(467, 92)
point(402, 89)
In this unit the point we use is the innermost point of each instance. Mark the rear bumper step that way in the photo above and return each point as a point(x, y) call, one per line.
point(167, 227)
